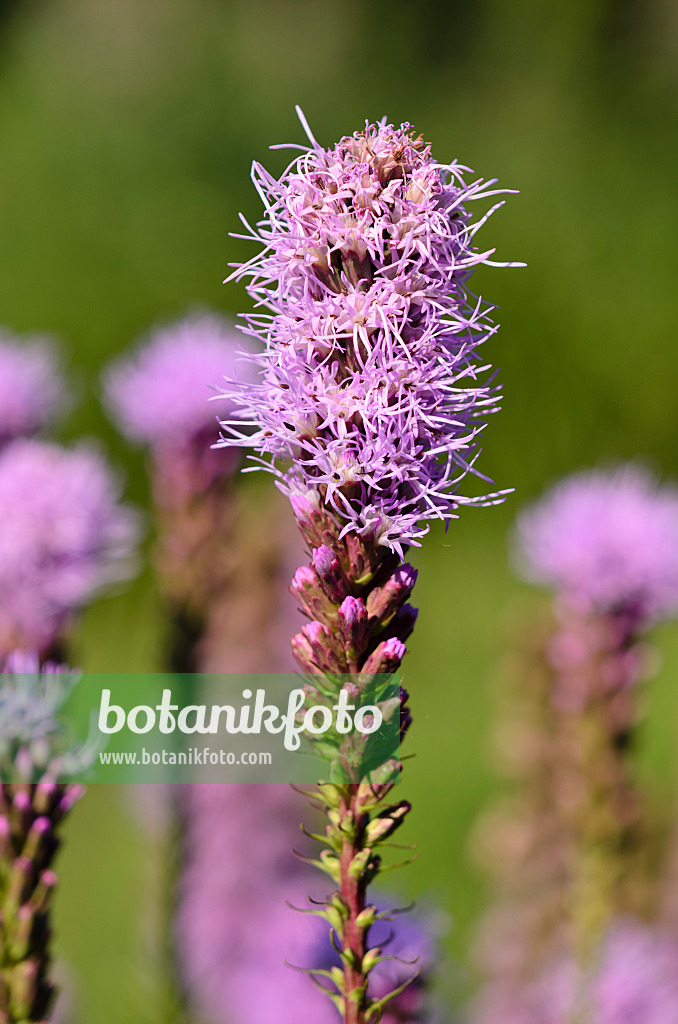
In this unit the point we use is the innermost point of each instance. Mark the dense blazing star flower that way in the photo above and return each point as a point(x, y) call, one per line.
point(37, 758)
point(64, 536)
point(371, 382)
point(635, 982)
point(368, 407)
point(606, 540)
point(31, 385)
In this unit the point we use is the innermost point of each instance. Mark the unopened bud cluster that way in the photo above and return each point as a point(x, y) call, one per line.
point(355, 593)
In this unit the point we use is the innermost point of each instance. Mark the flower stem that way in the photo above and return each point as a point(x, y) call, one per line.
point(353, 891)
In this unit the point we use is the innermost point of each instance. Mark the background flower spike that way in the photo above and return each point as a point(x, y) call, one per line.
point(32, 808)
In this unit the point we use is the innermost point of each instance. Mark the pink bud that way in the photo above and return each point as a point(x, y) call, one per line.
point(353, 625)
point(303, 579)
point(303, 652)
point(384, 601)
point(386, 658)
point(330, 573)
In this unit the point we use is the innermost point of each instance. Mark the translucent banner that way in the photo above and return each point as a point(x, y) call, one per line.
point(185, 729)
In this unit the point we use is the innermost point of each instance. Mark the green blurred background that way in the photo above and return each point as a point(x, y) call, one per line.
point(127, 130)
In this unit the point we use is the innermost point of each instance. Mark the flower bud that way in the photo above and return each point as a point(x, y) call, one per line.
point(366, 917)
point(371, 959)
point(305, 586)
point(387, 822)
point(44, 797)
point(330, 574)
point(306, 511)
point(303, 652)
point(38, 843)
point(20, 942)
point(386, 658)
point(19, 885)
point(322, 647)
point(384, 601)
point(24, 987)
point(46, 885)
point(403, 622)
point(20, 812)
point(353, 626)
point(382, 781)
point(69, 799)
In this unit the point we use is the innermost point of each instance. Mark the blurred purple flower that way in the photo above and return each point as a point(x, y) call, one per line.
point(160, 394)
point(64, 535)
point(371, 381)
point(234, 933)
point(31, 385)
point(607, 540)
point(636, 983)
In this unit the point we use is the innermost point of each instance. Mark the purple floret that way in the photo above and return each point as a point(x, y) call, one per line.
point(371, 387)
point(607, 541)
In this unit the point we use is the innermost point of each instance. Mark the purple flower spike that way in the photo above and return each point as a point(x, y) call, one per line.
point(31, 385)
point(607, 541)
point(64, 536)
point(570, 854)
point(368, 407)
point(159, 396)
point(371, 381)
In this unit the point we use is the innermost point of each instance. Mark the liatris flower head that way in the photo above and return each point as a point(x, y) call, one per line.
point(371, 394)
point(634, 982)
point(31, 385)
point(607, 541)
point(159, 395)
point(37, 756)
point(64, 536)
